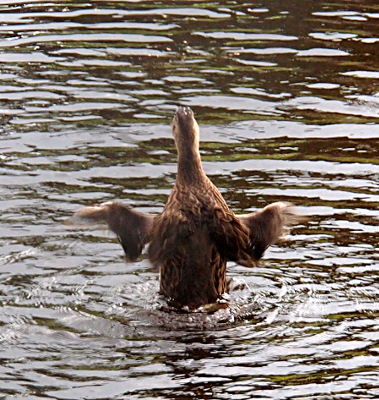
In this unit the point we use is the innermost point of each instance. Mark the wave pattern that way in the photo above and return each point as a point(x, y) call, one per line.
point(286, 96)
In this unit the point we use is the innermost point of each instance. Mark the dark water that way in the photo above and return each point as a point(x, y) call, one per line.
point(287, 98)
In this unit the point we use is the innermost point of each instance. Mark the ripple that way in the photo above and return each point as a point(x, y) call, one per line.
point(232, 103)
point(246, 36)
point(333, 36)
point(267, 50)
point(362, 74)
point(84, 106)
point(257, 63)
point(330, 106)
point(95, 37)
point(320, 85)
point(259, 93)
point(33, 57)
point(104, 390)
point(137, 52)
point(30, 94)
point(346, 13)
point(65, 26)
point(286, 98)
point(104, 12)
point(321, 52)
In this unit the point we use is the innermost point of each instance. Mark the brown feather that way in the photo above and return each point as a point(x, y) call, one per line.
point(267, 226)
point(132, 227)
point(196, 233)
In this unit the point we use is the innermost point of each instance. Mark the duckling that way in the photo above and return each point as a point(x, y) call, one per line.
point(195, 235)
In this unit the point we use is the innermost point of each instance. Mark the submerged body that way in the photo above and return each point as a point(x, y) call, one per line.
point(196, 233)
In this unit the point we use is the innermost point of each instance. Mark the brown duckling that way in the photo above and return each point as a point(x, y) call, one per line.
point(196, 233)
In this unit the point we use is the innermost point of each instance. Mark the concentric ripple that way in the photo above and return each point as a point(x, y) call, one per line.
point(287, 99)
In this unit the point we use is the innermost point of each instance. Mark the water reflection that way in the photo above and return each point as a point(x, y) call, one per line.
point(286, 95)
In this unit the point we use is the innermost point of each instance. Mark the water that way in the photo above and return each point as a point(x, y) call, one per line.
point(286, 96)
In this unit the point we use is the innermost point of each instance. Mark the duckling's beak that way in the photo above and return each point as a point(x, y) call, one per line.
point(185, 111)
point(183, 115)
point(184, 118)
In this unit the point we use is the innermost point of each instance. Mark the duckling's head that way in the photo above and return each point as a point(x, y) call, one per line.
point(186, 131)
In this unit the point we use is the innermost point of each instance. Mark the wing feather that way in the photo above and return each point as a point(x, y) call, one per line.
point(132, 228)
point(266, 226)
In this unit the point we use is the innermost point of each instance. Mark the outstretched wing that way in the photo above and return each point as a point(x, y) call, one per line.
point(266, 226)
point(133, 228)
point(231, 237)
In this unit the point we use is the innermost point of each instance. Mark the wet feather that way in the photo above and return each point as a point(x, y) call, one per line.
point(196, 233)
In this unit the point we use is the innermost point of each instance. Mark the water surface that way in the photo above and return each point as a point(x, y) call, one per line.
point(287, 100)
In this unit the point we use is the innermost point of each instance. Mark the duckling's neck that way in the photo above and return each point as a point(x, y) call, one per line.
point(190, 169)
